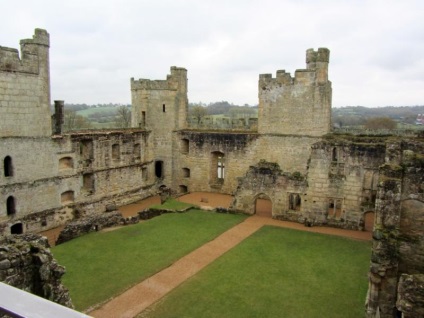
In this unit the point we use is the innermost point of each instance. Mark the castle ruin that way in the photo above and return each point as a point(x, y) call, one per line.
point(293, 159)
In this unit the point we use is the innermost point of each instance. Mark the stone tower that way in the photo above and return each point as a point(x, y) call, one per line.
point(23, 113)
point(160, 107)
point(299, 105)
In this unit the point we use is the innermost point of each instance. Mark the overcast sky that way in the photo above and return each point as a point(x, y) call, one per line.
point(376, 59)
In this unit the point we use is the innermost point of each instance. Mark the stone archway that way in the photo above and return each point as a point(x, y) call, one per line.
point(263, 206)
point(369, 221)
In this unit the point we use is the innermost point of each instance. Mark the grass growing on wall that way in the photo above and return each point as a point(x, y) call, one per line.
point(277, 273)
point(103, 264)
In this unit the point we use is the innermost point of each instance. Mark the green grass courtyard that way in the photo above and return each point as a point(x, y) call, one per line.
point(276, 272)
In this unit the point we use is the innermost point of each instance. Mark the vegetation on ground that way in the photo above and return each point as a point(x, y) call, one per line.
point(101, 265)
point(380, 123)
point(276, 272)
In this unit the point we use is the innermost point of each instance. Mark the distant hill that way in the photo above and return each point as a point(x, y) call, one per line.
point(357, 115)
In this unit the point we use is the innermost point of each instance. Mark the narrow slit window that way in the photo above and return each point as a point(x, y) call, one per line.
point(11, 206)
point(8, 167)
point(163, 108)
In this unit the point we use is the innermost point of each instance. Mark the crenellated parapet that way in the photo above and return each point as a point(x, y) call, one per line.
point(173, 81)
point(25, 88)
point(160, 103)
point(299, 104)
point(10, 61)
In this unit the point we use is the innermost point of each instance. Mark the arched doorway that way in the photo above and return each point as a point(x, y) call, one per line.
point(369, 221)
point(263, 206)
point(16, 228)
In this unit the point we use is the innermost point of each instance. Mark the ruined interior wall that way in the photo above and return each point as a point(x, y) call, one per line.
point(27, 263)
point(299, 105)
point(345, 171)
point(267, 179)
point(240, 150)
point(25, 88)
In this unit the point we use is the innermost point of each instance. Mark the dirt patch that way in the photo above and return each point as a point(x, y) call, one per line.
point(52, 234)
point(133, 208)
point(207, 199)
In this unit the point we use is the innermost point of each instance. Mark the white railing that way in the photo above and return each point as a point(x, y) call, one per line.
point(20, 304)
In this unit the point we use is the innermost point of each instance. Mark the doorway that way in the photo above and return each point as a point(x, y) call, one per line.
point(263, 206)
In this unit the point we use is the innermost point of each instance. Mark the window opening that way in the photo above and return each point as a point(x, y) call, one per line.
point(183, 189)
point(221, 167)
point(86, 149)
point(217, 173)
point(334, 155)
point(16, 228)
point(159, 169)
point(10, 206)
point(66, 163)
point(116, 153)
point(8, 168)
point(335, 208)
point(294, 201)
point(137, 151)
point(67, 197)
point(185, 145)
point(186, 172)
point(88, 182)
point(143, 119)
point(163, 108)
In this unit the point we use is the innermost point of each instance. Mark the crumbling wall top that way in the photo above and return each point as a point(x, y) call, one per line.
point(29, 61)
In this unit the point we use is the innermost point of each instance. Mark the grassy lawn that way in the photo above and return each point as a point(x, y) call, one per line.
point(103, 264)
point(277, 273)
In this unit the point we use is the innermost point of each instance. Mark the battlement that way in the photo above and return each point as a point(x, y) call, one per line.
point(29, 62)
point(299, 104)
point(316, 71)
point(171, 83)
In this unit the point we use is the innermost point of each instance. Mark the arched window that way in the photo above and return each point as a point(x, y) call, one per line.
point(8, 167)
point(159, 169)
point(10, 206)
point(66, 163)
point(67, 197)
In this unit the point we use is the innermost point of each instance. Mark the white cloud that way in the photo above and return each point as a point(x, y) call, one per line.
point(97, 46)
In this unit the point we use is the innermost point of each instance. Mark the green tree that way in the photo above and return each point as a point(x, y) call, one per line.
point(380, 123)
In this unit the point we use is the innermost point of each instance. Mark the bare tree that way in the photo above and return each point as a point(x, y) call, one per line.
point(73, 121)
point(124, 117)
point(198, 112)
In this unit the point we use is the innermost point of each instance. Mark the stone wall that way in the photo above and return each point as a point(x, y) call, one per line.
point(85, 225)
point(26, 263)
point(398, 237)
